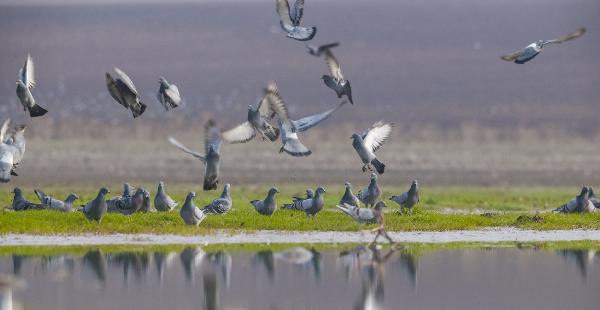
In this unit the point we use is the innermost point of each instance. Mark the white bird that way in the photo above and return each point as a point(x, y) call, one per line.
point(168, 94)
point(290, 21)
point(367, 143)
point(25, 83)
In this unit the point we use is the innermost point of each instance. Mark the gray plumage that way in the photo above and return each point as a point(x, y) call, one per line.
point(190, 214)
point(532, 50)
point(55, 204)
point(19, 202)
point(25, 83)
point(580, 204)
point(267, 206)
point(336, 80)
point(349, 198)
point(367, 143)
point(310, 206)
point(211, 157)
point(320, 49)
point(12, 149)
point(370, 194)
point(124, 92)
point(162, 201)
point(409, 199)
point(146, 203)
point(220, 205)
point(364, 215)
point(127, 204)
point(593, 198)
point(290, 20)
point(309, 194)
point(168, 94)
point(95, 209)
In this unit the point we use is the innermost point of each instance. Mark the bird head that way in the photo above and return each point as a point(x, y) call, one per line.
point(584, 191)
point(191, 195)
point(380, 204)
point(104, 191)
point(347, 184)
point(321, 190)
point(250, 107)
point(161, 184)
point(72, 196)
point(373, 176)
point(273, 190)
point(354, 136)
point(16, 190)
point(414, 184)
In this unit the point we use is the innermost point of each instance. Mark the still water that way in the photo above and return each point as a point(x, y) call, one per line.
point(352, 277)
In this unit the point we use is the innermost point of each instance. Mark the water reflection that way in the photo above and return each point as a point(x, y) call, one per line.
point(358, 277)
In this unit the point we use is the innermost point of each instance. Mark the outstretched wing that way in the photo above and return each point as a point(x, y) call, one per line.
point(571, 36)
point(185, 149)
point(308, 122)
point(126, 80)
point(283, 9)
point(113, 90)
point(26, 74)
point(239, 134)
point(377, 135)
point(212, 137)
point(325, 47)
point(334, 66)
point(511, 57)
point(297, 12)
point(272, 104)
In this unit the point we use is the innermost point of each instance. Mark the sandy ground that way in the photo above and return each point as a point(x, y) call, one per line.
point(488, 235)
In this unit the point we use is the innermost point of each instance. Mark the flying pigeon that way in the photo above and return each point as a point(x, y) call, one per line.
point(267, 206)
point(364, 215)
point(21, 204)
point(290, 20)
point(12, 149)
point(212, 147)
point(369, 142)
point(190, 214)
point(220, 205)
point(336, 80)
point(409, 199)
point(25, 83)
point(55, 204)
point(370, 194)
point(310, 206)
point(268, 107)
point(162, 201)
point(95, 209)
point(124, 92)
point(530, 51)
point(349, 198)
point(580, 204)
point(168, 94)
point(317, 51)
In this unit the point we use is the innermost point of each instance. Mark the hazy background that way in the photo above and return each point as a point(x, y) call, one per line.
point(432, 67)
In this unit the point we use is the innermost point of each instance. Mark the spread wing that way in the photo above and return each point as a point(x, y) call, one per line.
point(26, 74)
point(334, 66)
point(239, 134)
point(272, 104)
point(325, 47)
point(185, 149)
point(3, 131)
point(126, 80)
point(297, 12)
point(308, 122)
point(511, 57)
point(377, 135)
point(114, 90)
point(283, 9)
point(173, 93)
point(571, 36)
point(212, 137)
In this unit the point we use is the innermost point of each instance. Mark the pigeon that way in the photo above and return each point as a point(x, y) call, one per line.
point(290, 20)
point(128, 190)
point(336, 80)
point(592, 197)
point(124, 92)
point(8, 154)
point(220, 205)
point(309, 194)
point(95, 209)
point(310, 206)
point(370, 194)
point(530, 51)
point(580, 204)
point(212, 147)
point(146, 203)
point(267, 206)
point(25, 83)
point(168, 94)
point(409, 199)
point(190, 214)
point(21, 204)
point(364, 215)
point(319, 50)
point(162, 201)
point(127, 204)
point(55, 204)
point(349, 198)
point(369, 142)
point(257, 119)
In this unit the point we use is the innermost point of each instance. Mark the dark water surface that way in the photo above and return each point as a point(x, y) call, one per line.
point(304, 278)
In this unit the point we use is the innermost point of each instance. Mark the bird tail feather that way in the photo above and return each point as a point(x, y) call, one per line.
point(562, 209)
point(379, 166)
point(37, 110)
point(210, 184)
point(40, 195)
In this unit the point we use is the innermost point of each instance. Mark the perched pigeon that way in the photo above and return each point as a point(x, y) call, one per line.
point(349, 198)
point(268, 107)
point(124, 92)
point(290, 20)
point(55, 204)
point(168, 94)
point(369, 142)
point(319, 50)
point(370, 194)
point(146, 203)
point(190, 214)
point(530, 51)
point(25, 83)
point(95, 209)
point(162, 201)
point(336, 80)
point(21, 204)
point(267, 206)
point(580, 204)
point(310, 206)
point(127, 204)
point(409, 199)
point(220, 205)
point(364, 215)
point(592, 197)
point(12, 149)
point(212, 147)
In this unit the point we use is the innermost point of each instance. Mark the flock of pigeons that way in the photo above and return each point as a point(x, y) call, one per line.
point(270, 120)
